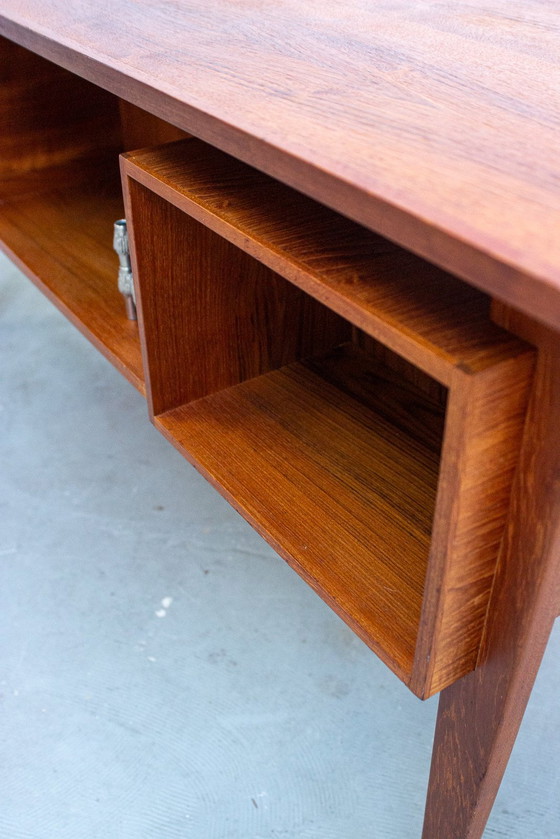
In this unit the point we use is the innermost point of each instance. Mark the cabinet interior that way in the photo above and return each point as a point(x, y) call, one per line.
point(60, 137)
point(317, 375)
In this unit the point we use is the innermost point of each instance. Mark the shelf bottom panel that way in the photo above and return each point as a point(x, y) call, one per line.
point(57, 225)
point(335, 463)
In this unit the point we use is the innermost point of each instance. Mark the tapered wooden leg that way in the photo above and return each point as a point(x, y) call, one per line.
point(479, 716)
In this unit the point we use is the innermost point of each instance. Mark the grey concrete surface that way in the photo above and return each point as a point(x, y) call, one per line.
point(163, 672)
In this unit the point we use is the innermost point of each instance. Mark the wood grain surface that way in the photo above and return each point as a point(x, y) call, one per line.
point(212, 316)
point(332, 477)
point(479, 717)
point(48, 116)
point(435, 124)
point(58, 227)
point(432, 319)
point(60, 195)
point(484, 426)
point(141, 129)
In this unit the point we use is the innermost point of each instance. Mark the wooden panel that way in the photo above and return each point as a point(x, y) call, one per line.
point(484, 426)
point(140, 128)
point(325, 466)
point(211, 316)
point(57, 225)
point(60, 194)
point(479, 717)
point(399, 365)
point(406, 303)
point(48, 116)
point(391, 113)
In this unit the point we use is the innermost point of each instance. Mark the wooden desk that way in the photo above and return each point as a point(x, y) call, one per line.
point(434, 126)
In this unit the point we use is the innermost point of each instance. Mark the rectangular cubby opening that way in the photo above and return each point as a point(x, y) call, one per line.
point(60, 190)
point(355, 403)
point(327, 448)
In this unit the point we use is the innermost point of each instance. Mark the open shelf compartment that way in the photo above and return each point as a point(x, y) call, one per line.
point(319, 376)
point(61, 236)
point(60, 192)
point(340, 488)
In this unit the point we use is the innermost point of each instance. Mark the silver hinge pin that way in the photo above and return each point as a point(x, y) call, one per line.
point(126, 283)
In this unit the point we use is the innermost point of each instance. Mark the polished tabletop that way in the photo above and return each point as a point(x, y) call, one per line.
point(434, 123)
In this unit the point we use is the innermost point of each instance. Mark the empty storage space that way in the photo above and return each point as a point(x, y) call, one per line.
point(339, 487)
point(60, 138)
point(318, 376)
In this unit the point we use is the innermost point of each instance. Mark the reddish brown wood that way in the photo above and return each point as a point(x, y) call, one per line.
point(479, 717)
point(404, 302)
point(484, 424)
point(396, 117)
point(211, 316)
point(200, 217)
point(60, 195)
point(335, 463)
point(60, 233)
point(48, 116)
point(140, 128)
point(399, 365)
point(392, 114)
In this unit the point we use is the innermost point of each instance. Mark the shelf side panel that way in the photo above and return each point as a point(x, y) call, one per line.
point(211, 316)
point(486, 417)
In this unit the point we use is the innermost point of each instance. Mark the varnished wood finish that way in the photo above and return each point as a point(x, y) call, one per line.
point(140, 128)
point(325, 466)
point(435, 125)
point(484, 424)
point(210, 315)
point(202, 218)
point(60, 194)
point(434, 320)
point(48, 116)
point(479, 717)
point(407, 371)
point(61, 235)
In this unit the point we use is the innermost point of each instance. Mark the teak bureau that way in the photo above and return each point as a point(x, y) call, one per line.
point(344, 237)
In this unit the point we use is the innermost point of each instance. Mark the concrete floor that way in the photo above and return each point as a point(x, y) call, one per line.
point(163, 672)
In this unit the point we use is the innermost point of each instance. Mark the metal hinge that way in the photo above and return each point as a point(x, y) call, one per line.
point(126, 282)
